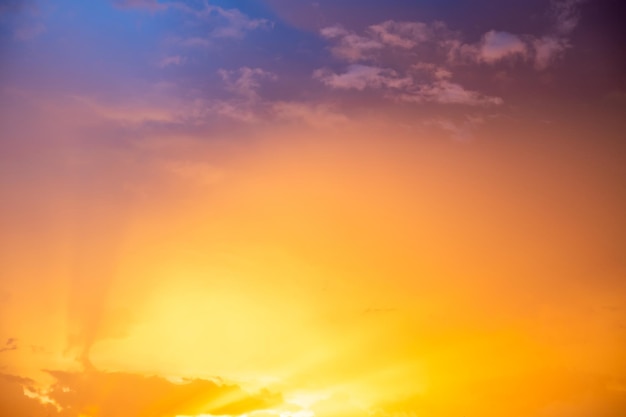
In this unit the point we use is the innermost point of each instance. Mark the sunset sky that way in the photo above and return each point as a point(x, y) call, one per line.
point(297, 208)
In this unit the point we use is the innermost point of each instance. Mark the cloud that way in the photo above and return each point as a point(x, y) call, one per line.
point(493, 47)
point(446, 92)
point(353, 47)
point(194, 41)
point(433, 70)
point(15, 403)
point(547, 50)
point(230, 23)
point(317, 116)
point(226, 23)
point(150, 5)
point(117, 394)
point(242, 112)
point(200, 173)
point(500, 45)
point(402, 34)
point(11, 344)
point(566, 14)
point(130, 114)
point(245, 81)
point(171, 60)
point(404, 88)
point(350, 46)
point(459, 130)
point(542, 51)
point(360, 77)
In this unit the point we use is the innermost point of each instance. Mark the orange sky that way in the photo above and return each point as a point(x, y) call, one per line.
point(308, 258)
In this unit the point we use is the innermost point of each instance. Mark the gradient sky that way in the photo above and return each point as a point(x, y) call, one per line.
point(293, 208)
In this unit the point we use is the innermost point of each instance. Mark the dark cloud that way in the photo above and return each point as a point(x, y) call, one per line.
point(14, 403)
point(11, 344)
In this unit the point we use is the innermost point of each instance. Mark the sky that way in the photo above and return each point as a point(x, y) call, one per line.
point(294, 208)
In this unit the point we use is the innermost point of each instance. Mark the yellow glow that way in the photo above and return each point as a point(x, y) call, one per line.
point(349, 276)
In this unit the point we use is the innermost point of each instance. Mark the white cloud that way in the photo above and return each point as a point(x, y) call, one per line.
point(360, 77)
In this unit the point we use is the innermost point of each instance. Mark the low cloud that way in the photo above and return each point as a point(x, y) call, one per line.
point(10, 344)
point(117, 394)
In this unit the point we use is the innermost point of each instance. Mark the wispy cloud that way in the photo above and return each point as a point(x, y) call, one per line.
point(446, 92)
point(566, 14)
point(462, 130)
point(406, 88)
point(551, 47)
point(149, 5)
point(349, 45)
point(235, 24)
point(402, 34)
point(353, 47)
point(245, 82)
point(360, 77)
point(548, 49)
point(11, 344)
point(314, 115)
point(171, 60)
point(126, 394)
point(501, 45)
point(225, 23)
